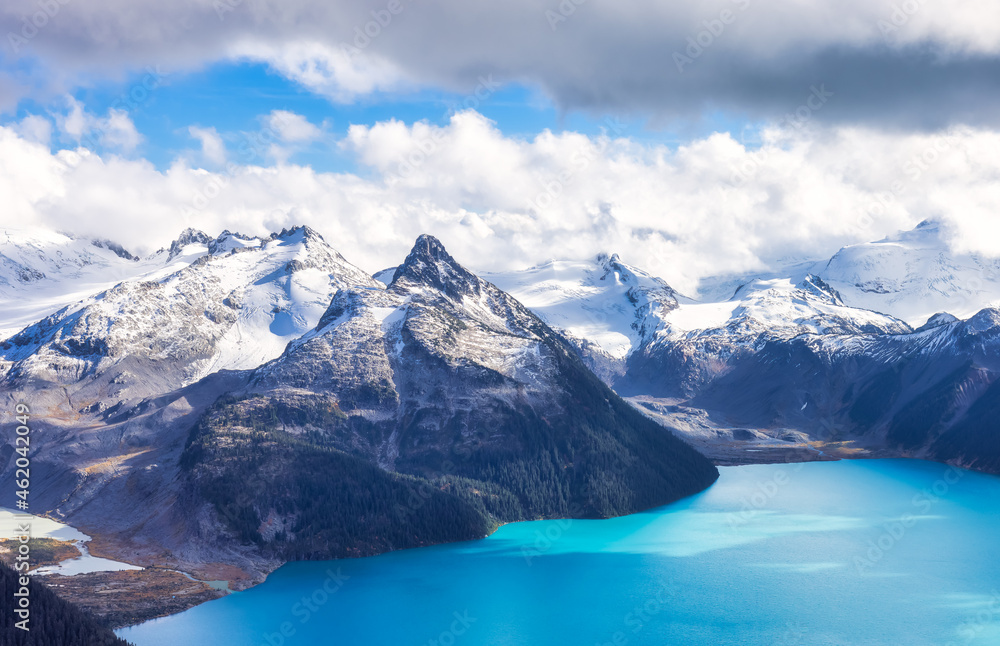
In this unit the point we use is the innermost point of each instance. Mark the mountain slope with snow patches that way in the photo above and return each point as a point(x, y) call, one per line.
point(443, 377)
point(269, 380)
point(233, 303)
point(620, 317)
point(817, 350)
point(428, 377)
point(42, 271)
point(442, 358)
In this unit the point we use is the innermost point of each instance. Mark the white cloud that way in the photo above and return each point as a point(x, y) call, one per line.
point(291, 127)
point(212, 147)
point(332, 70)
point(116, 130)
point(287, 133)
point(76, 122)
point(34, 128)
point(712, 206)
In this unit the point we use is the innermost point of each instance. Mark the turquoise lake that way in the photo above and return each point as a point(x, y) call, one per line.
point(867, 552)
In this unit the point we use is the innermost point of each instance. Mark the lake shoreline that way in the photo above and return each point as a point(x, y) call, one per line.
point(146, 607)
point(761, 526)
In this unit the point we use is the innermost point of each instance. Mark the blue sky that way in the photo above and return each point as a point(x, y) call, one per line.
point(232, 97)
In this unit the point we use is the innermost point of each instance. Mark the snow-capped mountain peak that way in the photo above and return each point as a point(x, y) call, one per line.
point(188, 237)
point(229, 241)
point(430, 265)
point(777, 308)
point(41, 271)
point(232, 309)
point(601, 302)
point(913, 275)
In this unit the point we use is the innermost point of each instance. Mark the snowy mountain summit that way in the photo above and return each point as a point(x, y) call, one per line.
point(914, 275)
point(208, 304)
point(608, 308)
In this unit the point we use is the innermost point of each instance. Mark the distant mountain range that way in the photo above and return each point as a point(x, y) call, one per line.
point(862, 354)
point(247, 400)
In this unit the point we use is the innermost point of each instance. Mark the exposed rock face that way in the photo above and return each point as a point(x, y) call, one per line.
point(448, 381)
point(116, 381)
point(233, 308)
point(426, 411)
point(930, 393)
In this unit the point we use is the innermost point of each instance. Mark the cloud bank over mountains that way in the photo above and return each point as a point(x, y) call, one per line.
point(881, 114)
point(709, 207)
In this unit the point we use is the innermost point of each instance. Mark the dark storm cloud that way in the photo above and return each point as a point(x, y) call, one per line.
point(910, 64)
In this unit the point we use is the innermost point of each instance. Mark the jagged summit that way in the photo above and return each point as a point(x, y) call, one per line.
point(234, 303)
point(429, 264)
point(306, 231)
point(229, 241)
point(821, 288)
point(427, 250)
point(188, 237)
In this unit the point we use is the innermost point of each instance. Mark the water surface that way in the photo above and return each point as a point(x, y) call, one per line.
point(855, 552)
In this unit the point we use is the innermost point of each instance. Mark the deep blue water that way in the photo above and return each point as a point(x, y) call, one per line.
point(894, 552)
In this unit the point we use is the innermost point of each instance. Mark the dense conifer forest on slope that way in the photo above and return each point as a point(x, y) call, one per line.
point(53, 621)
point(283, 473)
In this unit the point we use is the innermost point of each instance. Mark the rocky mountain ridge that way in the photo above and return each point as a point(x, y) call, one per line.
point(196, 452)
point(443, 378)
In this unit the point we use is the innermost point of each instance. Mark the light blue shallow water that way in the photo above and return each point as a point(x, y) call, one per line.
point(894, 552)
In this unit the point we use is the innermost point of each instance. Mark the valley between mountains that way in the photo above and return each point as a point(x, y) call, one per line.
point(231, 403)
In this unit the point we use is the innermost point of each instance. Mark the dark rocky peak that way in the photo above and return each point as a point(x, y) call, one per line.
point(115, 248)
point(613, 265)
point(430, 265)
point(821, 288)
point(227, 241)
point(188, 237)
point(307, 233)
